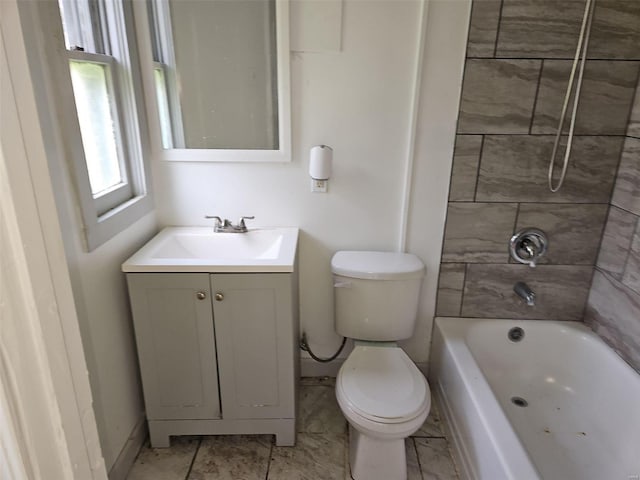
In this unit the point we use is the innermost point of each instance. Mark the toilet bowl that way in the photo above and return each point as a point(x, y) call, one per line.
point(385, 398)
point(382, 394)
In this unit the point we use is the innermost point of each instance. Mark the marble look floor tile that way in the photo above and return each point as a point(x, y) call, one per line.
point(514, 168)
point(605, 99)
point(413, 466)
point(165, 463)
point(483, 28)
point(315, 456)
point(450, 285)
point(432, 426)
point(319, 411)
point(573, 231)
point(561, 291)
point(616, 241)
point(435, 459)
point(613, 311)
point(327, 381)
point(498, 96)
point(464, 172)
point(626, 193)
point(478, 232)
point(232, 457)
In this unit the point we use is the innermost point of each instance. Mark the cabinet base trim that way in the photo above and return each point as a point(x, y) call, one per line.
point(283, 428)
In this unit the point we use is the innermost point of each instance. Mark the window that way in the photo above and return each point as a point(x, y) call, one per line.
point(102, 77)
point(164, 74)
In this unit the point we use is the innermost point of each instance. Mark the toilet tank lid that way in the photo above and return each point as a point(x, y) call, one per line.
point(377, 265)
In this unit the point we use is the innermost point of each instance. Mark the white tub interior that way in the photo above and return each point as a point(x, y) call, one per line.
point(582, 419)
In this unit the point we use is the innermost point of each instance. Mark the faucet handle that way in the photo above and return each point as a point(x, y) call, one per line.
point(242, 219)
point(217, 219)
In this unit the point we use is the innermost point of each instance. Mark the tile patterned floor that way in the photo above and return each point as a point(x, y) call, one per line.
point(321, 451)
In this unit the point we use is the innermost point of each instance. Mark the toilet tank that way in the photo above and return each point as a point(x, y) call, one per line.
point(376, 294)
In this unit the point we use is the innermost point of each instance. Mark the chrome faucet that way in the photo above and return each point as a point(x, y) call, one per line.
point(523, 291)
point(225, 226)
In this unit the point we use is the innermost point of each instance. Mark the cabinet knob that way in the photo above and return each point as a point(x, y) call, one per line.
point(201, 295)
point(219, 297)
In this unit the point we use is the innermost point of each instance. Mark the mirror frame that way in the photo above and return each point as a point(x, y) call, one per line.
point(282, 154)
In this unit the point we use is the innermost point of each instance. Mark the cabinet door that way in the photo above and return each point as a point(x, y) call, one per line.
point(254, 333)
point(176, 346)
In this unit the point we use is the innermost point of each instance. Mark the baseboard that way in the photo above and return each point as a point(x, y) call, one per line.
point(129, 452)
point(310, 368)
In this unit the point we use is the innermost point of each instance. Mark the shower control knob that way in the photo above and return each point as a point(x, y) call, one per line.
point(201, 295)
point(528, 245)
point(219, 297)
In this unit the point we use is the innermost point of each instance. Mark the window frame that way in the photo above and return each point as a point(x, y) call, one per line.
point(117, 194)
point(283, 154)
point(106, 215)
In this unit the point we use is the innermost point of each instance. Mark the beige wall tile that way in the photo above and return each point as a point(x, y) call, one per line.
point(464, 172)
point(478, 232)
point(498, 96)
point(514, 168)
point(561, 291)
point(450, 285)
point(573, 230)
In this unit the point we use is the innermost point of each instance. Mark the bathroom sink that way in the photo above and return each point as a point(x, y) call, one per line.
point(199, 249)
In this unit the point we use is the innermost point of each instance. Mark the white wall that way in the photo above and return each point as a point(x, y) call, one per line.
point(443, 64)
point(360, 102)
point(99, 287)
point(42, 362)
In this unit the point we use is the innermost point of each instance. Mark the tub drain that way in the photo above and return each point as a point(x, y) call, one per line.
point(516, 334)
point(519, 401)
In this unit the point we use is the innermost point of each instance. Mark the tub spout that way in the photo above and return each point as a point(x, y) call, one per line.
point(523, 291)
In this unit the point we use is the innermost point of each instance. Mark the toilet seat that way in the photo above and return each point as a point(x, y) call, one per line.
point(382, 384)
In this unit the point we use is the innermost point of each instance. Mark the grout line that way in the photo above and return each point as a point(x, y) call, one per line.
point(464, 283)
point(628, 60)
point(524, 134)
point(624, 209)
point(495, 46)
point(543, 202)
point(515, 221)
point(475, 190)
point(626, 260)
point(415, 450)
point(535, 97)
point(513, 264)
point(266, 477)
point(193, 460)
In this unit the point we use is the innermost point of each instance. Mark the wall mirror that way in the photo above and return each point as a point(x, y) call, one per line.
point(216, 78)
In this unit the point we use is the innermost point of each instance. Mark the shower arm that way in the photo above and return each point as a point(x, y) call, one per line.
point(580, 56)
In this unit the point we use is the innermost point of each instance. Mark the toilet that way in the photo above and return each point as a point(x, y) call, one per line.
point(381, 392)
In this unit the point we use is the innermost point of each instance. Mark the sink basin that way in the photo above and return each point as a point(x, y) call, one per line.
point(199, 249)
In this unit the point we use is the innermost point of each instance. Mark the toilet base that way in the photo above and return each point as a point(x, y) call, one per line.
point(376, 459)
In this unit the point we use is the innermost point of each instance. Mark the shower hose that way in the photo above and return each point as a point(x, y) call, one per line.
point(581, 58)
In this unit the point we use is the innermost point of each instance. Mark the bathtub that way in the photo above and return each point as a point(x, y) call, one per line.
point(558, 404)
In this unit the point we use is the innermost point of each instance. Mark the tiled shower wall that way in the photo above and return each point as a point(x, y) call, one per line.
point(518, 62)
point(613, 308)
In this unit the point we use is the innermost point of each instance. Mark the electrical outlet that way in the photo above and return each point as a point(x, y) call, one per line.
point(319, 186)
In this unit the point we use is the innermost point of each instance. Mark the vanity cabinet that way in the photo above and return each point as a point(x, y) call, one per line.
point(217, 353)
point(176, 347)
